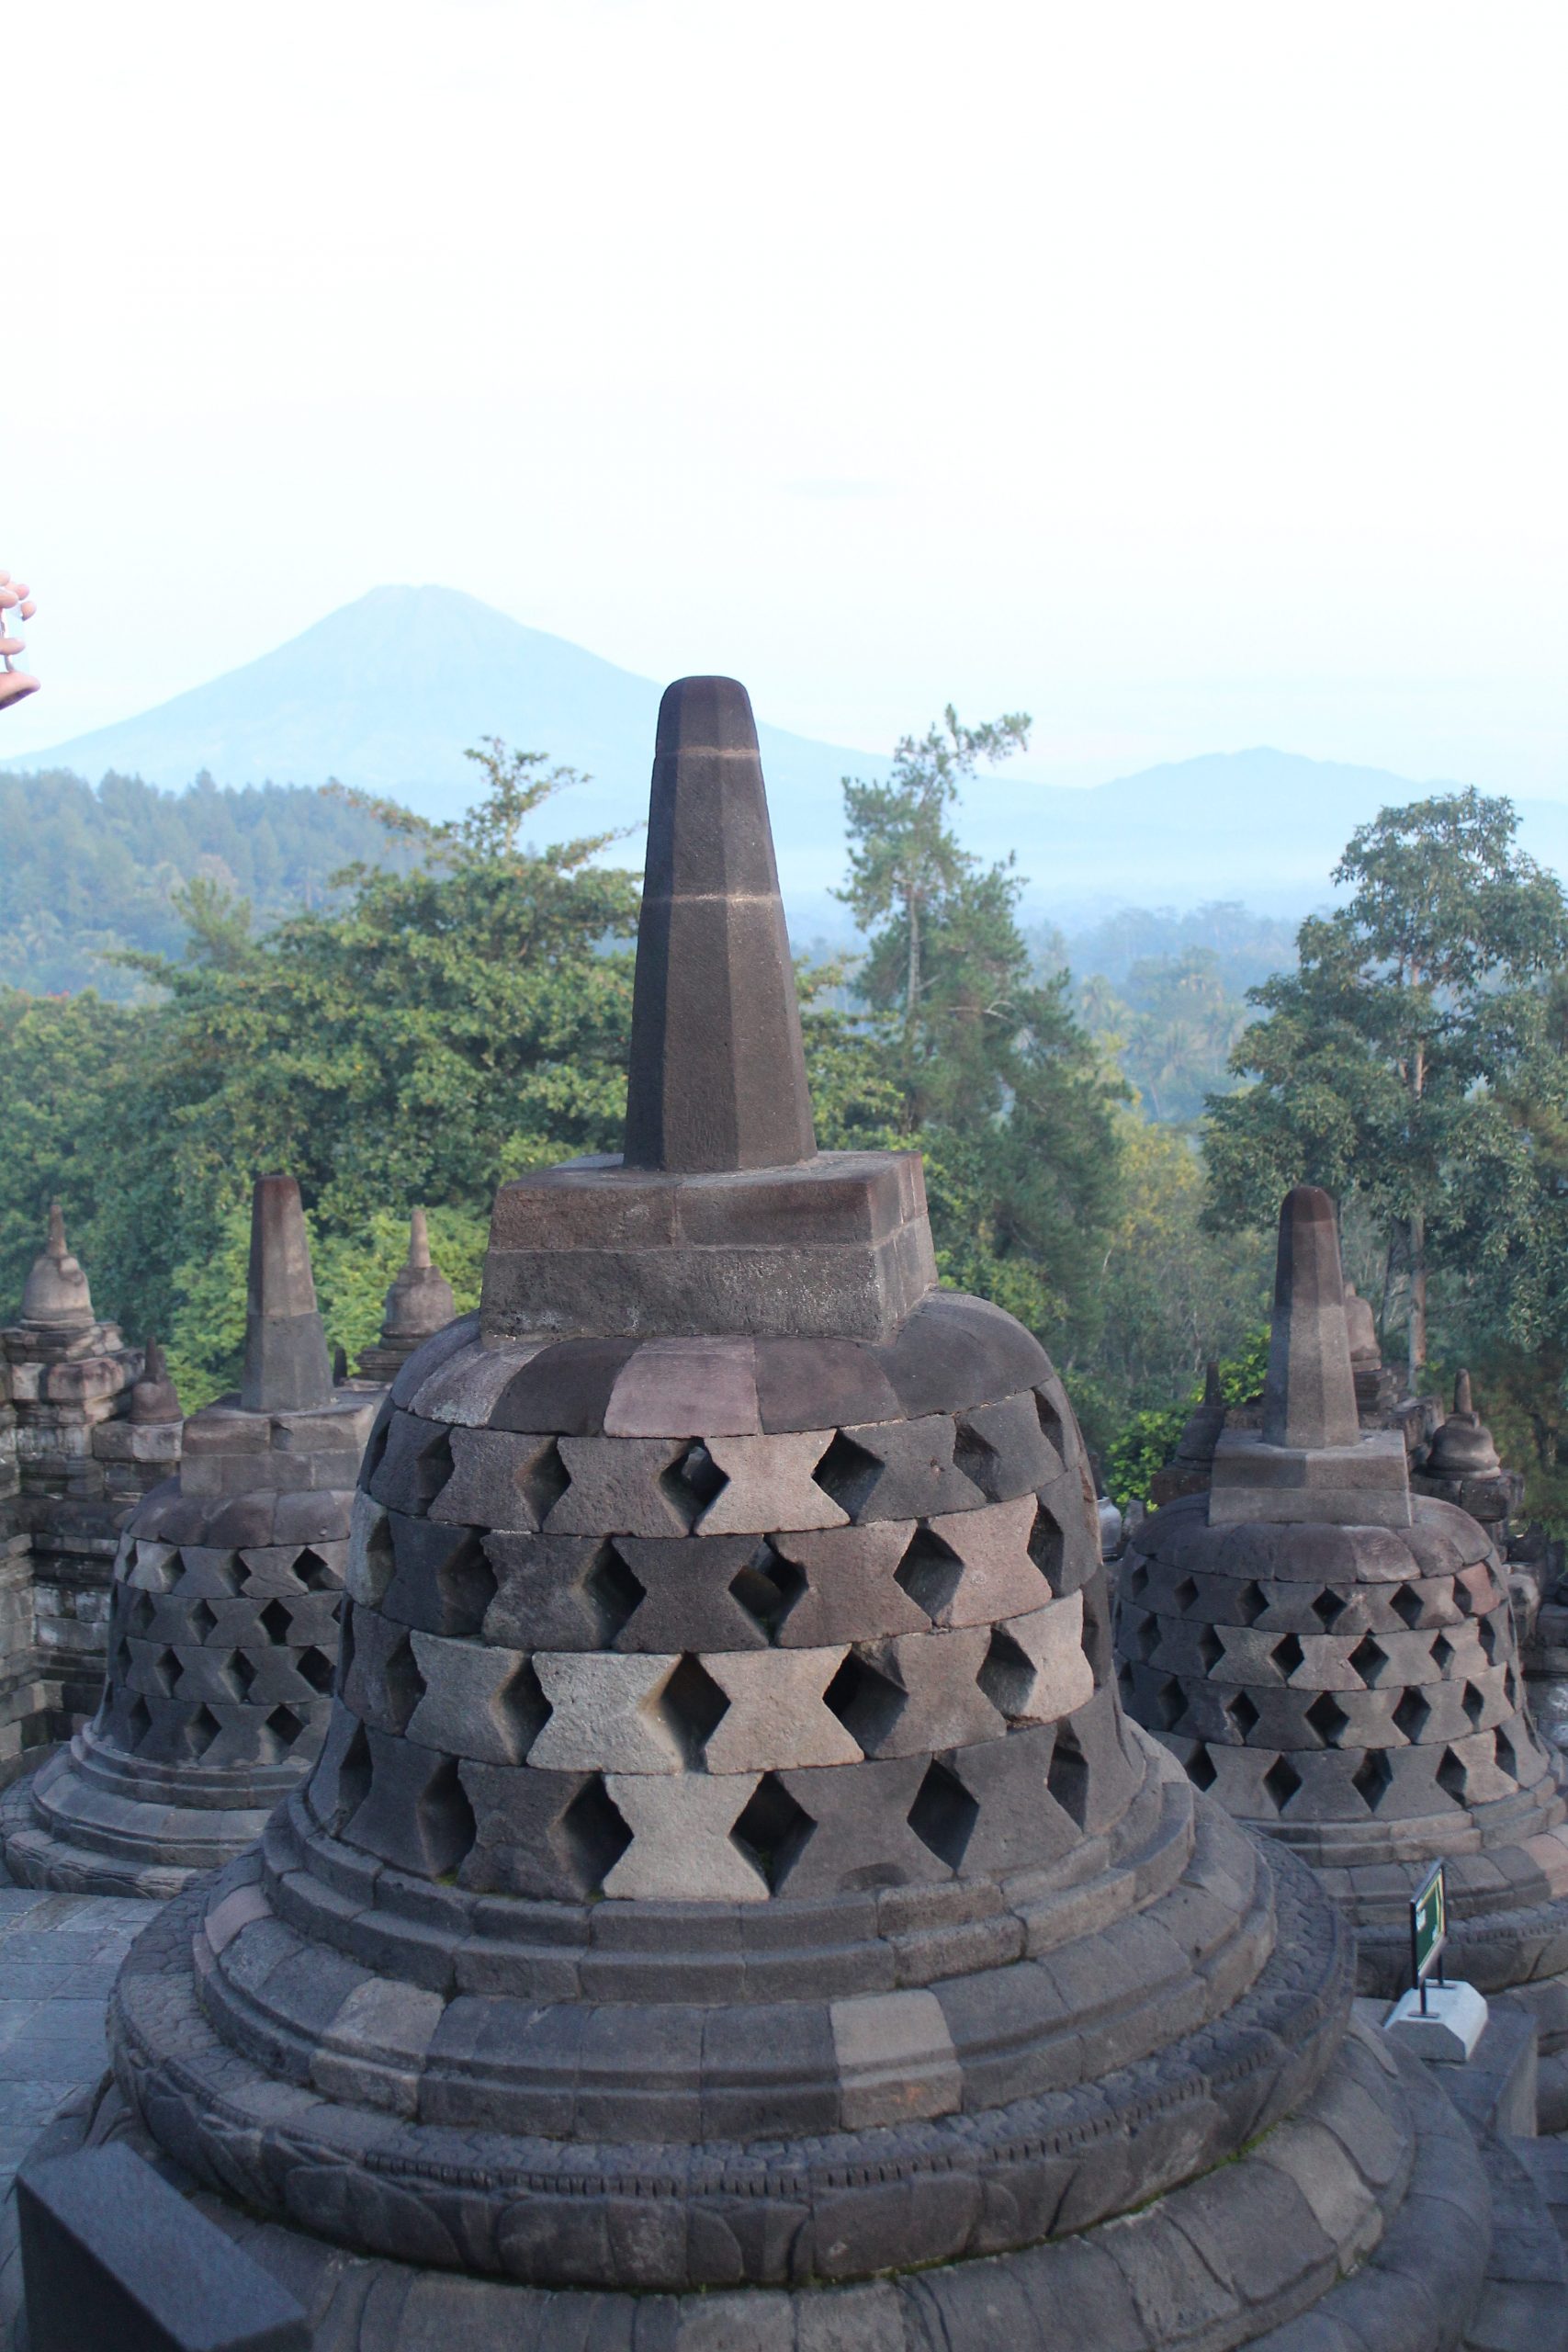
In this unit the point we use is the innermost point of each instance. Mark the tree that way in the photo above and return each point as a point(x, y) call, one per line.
point(1378, 1056)
point(984, 1066)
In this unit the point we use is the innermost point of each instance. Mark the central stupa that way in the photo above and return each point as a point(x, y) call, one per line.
point(730, 1908)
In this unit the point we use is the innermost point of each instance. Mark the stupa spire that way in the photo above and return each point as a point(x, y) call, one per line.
point(717, 1066)
point(56, 1298)
point(1309, 1397)
point(287, 1368)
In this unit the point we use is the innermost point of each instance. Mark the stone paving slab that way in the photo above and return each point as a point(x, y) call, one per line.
point(59, 1957)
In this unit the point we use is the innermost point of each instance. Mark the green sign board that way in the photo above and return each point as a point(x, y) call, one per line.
point(1428, 1925)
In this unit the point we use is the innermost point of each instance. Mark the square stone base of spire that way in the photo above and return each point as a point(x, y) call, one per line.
point(231, 1451)
point(1366, 1485)
point(838, 1247)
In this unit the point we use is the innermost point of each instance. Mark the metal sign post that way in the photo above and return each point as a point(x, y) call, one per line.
point(1428, 1930)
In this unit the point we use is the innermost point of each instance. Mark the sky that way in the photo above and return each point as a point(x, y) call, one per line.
point(1190, 376)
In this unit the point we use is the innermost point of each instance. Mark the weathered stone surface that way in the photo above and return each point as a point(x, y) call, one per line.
point(286, 1365)
point(1309, 1396)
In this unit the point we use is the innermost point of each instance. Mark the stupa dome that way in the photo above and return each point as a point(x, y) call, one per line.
point(55, 1297)
point(730, 1900)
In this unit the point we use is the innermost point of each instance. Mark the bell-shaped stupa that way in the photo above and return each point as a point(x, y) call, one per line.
point(1334, 1657)
point(419, 1304)
point(55, 1297)
point(224, 1607)
point(731, 1908)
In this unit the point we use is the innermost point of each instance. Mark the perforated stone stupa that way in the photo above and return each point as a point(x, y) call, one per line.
point(223, 1624)
point(731, 1909)
point(1333, 1658)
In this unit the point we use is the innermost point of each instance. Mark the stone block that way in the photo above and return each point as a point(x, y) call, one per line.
point(1005, 1449)
point(956, 1352)
point(546, 1836)
point(499, 1480)
point(1036, 1670)
point(369, 1570)
point(693, 1594)
point(1362, 1485)
point(841, 1585)
point(858, 1834)
point(442, 1580)
point(477, 1701)
point(820, 1383)
point(416, 1816)
point(416, 1462)
point(428, 1358)
point(768, 1482)
point(381, 1677)
point(685, 1388)
point(895, 2059)
point(681, 1848)
point(608, 1712)
point(468, 1383)
point(974, 1566)
point(113, 2255)
point(901, 1470)
point(558, 1592)
point(777, 1716)
point(919, 1692)
point(623, 1485)
point(1444, 2029)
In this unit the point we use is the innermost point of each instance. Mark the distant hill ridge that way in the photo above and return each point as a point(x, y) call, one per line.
point(386, 693)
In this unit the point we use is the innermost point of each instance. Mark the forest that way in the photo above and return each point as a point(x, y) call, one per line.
point(399, 1011)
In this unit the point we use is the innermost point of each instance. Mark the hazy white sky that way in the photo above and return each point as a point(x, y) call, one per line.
point(1193, 376)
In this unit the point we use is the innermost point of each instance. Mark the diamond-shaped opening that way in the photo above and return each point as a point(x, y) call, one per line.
point(543, 1482)
point(1066, 1777)
point(348, 1639)
point(201, 1731)
point(1486, 1633)
point(975, 1456)
point(1146, 1637)
point(1251, 1602)
point(1137, 1577)
point(1282, 1780)
point(1407, 1606)
point(1242, 1715)
point(1007, 1675)
point(139, 1616)
point(353, 1774)
point(1288, 1653)
point(1474, 1705)
point(1046, 1546)
point(120, 1661)
point(1327, 1718)
point(593, 1835)
point(1211, 1649)
point(1412, 1715)
point(402, 1685)
point(1185, 1594)
point(865, 1701)
point(315, 1666)
point(1372, 1779)
point(166, 1670)
point(692, 1706)
point(465, 1585)
point(153, 1567)
point(313, 1572)
point(768, 1587)
point(611, 1591)
point(201, 1621)
point(695, 1481)
point(944, 1814)
point(1097, 1647)
point(1200, 1770)
point(433, 1465)
point(241, 1671)
point(1328, 1609)
point(276, 1621)
point(1451, 1775)
point(772, 1829)
point(1050, 1422)
point(446, 1820)
point(1442, 1654)
point(848, 1473)
point(929, 1572)
point(1167, 1705)
point(138, 1722)
point(525, 1707)
point(1369, 1660)
point(1504, 1754)
point(283, 1727)
point(376, 1444)
point(1510, 1686)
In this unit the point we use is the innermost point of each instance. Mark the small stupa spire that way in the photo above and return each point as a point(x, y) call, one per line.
point(420, 1300)
point(154, 1397)
point(717, 1079)
point(287, 1368)
point(1309, 1396)
point(56, 1298)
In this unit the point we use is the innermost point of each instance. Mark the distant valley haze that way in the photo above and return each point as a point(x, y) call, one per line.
point(386, 693)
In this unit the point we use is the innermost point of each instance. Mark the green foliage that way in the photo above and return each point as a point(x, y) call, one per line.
point(1149, 1440)
point(62, 1069)
point(85, 873)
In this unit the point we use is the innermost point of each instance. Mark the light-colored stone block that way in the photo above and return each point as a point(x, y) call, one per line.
point(997, 1578)
point(769, 1484)
point(686, 1389)
point(1365, 1485)
point(1052, 1676)
point(777, 1716)
point(605, 1714)
point(682, 1850)
point(1446, 2034)
point(895, 2059)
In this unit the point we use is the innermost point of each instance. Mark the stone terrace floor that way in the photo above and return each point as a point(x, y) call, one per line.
point(59, 1957)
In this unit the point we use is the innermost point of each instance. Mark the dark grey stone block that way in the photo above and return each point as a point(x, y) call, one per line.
point(415, 1465)
point(956, 1351)
point(856, 1834)
point(899, 1470)
point(689, 1599)
point(839, 1584)
point(565, 1388)
point(549, 1835)
point(558, 1592)
point(821, 1384)
point(113, 2256)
